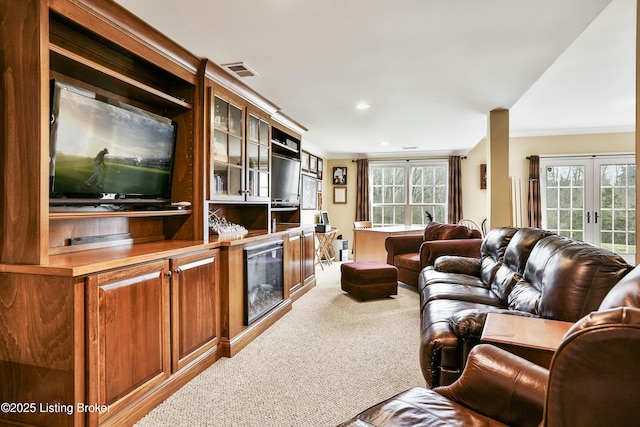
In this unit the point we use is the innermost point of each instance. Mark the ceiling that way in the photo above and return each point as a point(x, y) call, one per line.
point(430, 70)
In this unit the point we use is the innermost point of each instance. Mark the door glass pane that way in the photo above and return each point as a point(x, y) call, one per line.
point(617, 207)
point(565, 200)
point(264, 158)
point(264, 133)
point(220, 146)
point(254, 128)
point(235, 121)
point(219, 183)
point(253, 155)
point(221, 112)
point(235, 151)
point(235, 181)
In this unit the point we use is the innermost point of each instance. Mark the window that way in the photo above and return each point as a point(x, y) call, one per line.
point(402, 193)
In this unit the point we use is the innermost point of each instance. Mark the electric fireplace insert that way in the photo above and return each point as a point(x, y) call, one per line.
point(263, 279)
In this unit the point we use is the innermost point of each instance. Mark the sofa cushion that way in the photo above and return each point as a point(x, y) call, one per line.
point(492, 252)
point(457, 291)
point(515, 259)
point(410, 261)
point(524, 297)
point(429, 276)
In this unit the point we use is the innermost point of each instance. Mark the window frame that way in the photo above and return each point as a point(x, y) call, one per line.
point(408, 203)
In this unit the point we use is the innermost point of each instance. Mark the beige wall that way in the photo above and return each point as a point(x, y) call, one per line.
point(474, 199)
point(341, 215)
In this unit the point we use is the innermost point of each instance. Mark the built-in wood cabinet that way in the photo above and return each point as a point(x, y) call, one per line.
point(124, 322)
point(300, 262)
point(309, 256)
point(195, 301)
point(293, 267)
point(129, 336)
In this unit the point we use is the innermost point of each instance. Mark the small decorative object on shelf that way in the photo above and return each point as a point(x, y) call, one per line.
point(224, 228)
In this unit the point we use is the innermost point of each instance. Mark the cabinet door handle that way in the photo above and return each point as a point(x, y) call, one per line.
point(178, 270)
point(168, 274)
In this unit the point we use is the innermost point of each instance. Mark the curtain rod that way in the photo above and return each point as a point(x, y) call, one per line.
point(408, 160)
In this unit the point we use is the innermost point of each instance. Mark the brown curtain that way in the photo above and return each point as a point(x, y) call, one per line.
point(534, 208)
point(363, 204)
point(455, 190)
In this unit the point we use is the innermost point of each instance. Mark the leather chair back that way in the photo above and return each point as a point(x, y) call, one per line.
point(439, 231)
point(594, 378)
point(626, 293)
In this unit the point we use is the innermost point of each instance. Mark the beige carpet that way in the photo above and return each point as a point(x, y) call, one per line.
point(322, 363)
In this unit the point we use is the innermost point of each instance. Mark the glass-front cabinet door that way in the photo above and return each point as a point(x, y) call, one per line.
point(258, 154)
point(226, 140)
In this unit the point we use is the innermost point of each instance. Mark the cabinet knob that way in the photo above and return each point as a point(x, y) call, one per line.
point(168, 274)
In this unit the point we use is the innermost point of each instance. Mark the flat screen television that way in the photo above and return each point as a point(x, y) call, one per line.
point(285, 181)
point(105, 151)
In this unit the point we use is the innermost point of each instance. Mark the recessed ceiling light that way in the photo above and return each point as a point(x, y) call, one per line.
point(384, 143)
point(363, 106)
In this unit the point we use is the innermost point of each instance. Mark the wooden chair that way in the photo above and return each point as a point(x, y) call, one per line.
point(361, 224)
point(471, 224)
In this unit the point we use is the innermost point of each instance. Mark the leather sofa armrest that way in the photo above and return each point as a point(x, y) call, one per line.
point(398, 245)
point(469, 323)
point(458, 264)
point(432, 249)
point(500, 385)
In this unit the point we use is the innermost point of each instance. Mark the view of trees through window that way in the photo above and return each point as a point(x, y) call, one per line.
point(403, 193)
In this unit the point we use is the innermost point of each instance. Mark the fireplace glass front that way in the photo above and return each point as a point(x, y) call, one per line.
point(263, 279)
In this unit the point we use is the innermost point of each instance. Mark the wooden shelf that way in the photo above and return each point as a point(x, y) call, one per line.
point(70, 63)
point(284, 146)
point(120, 214)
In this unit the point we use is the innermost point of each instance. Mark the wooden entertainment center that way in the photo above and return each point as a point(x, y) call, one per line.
point(99, 333)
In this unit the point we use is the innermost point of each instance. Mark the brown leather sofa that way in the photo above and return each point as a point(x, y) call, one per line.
point(410, 254)
point(593, 381)
point(527, 272)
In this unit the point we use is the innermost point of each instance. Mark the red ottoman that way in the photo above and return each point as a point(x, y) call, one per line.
point(369, 280)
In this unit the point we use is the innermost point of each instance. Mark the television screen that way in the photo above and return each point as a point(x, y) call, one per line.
point(285, 181)
point(105, 149)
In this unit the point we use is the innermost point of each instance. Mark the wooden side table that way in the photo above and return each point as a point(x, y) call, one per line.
point(325, 247)
point(368, 243)
point(532, 338)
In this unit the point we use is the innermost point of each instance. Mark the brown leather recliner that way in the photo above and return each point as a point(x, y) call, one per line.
point(593, 380)
point(411, 253)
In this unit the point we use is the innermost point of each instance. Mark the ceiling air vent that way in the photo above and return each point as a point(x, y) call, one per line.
point(240, 69)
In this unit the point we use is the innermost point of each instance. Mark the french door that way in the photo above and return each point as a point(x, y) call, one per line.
point(591, 199)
